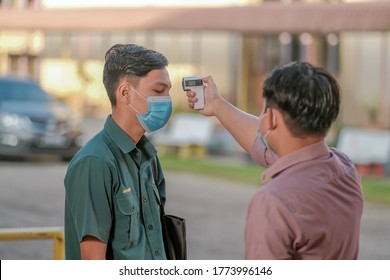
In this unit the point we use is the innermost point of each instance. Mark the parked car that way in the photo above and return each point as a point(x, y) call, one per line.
point(32, 122)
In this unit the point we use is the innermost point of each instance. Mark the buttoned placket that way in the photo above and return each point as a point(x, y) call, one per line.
point(150, 212)
point(137, 155)
point(149, 216)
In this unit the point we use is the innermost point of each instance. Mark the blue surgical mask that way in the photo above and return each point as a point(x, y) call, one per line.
point(261, 137)
point(263, 140)
point(159, 112)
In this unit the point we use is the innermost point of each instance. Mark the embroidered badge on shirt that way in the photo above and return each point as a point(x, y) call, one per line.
point(126, 190)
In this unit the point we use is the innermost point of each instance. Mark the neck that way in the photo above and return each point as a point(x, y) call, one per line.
point(130, 124)
point(295, 144)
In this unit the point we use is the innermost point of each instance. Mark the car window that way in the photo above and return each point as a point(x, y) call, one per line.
point(21, 91)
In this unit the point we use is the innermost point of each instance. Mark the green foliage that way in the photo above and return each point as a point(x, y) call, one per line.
point(376, 190)
point(220, 168)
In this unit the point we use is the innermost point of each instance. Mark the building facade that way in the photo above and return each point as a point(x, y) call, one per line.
point(69, 62)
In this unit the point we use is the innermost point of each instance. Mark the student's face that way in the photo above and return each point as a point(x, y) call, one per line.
point(155, 83)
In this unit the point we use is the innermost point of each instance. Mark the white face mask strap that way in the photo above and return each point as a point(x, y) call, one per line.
point(273, 120)
point(144, 98)
point(137, 94)
point(134, 109)
point(262, 116)
point(273, 123)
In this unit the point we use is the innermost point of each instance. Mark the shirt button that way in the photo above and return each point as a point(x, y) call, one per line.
point(150, 227)
point(145, 199)
point(157, 253)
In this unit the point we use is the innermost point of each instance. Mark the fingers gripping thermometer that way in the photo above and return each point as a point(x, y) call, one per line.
point(195, 84)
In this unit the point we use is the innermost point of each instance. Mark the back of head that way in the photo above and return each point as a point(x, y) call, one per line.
point(308, 97)
point(129, 60)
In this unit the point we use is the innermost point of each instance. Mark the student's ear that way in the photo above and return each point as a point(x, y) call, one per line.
point(123, 93)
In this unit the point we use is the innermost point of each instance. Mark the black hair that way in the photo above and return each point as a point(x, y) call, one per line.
point(128, 60)
point(309, 97)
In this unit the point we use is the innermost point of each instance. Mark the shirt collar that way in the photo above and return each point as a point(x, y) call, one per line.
point(120, 138)
point(317, 150)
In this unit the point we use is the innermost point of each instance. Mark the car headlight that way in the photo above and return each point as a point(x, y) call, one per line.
point(14, 121)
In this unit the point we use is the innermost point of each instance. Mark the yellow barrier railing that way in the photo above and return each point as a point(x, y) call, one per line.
point(55, 233)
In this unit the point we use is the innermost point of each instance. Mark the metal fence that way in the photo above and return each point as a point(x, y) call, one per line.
point(55, 233)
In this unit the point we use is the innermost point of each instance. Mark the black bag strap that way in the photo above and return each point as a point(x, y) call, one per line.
point(173, 228)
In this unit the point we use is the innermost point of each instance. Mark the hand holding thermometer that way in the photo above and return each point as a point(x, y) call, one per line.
point(195, 84)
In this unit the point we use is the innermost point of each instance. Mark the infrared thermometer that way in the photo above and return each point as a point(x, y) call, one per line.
point(195, 84)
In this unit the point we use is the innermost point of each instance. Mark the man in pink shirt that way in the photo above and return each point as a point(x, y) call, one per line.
point(311, 205)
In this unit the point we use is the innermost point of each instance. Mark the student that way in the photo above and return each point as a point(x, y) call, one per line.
point(112, 202)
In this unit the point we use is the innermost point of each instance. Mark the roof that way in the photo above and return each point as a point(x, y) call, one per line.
point(264, 18)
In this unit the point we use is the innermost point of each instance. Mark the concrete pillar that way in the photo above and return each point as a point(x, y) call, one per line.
point(384, 93)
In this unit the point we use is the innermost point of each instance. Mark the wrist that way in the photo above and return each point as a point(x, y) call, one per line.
point(220, 105)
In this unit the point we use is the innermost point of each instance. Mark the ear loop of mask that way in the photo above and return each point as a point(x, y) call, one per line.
point(140, 95)
point(273, 122)
point(267, 147)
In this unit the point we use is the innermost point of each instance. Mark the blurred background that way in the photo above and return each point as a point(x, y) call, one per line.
point(56, 49)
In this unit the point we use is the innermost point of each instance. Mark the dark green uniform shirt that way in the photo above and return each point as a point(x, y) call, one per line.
point(111, 194)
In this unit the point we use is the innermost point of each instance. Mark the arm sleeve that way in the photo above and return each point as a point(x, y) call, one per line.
point(270, 228)
point(88, 187)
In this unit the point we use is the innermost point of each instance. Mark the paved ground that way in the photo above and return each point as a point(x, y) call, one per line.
point(216, 210)
point(32, 195)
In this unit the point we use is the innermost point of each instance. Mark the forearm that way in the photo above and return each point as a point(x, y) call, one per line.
point(241, 125)
point(92, 248)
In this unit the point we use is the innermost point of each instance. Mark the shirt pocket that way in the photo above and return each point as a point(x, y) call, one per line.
point(127, 219)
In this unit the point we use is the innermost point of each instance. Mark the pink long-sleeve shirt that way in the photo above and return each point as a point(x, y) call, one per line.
point(310, 208)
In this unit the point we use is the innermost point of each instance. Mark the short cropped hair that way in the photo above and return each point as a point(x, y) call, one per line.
point(309, 97)
point(129, 60)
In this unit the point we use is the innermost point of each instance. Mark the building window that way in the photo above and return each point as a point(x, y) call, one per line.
point(22, 64)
